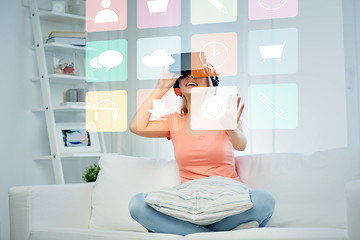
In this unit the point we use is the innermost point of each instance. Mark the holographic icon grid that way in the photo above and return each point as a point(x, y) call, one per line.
point(270, 52)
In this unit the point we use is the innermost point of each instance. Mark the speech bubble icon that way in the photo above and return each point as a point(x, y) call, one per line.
point(94, 63)
point(110, 59)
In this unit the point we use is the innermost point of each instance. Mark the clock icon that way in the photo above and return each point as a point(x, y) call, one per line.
point(216, 54)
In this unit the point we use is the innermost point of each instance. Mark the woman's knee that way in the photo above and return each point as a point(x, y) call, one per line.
point(263, 201)
point(137, 204)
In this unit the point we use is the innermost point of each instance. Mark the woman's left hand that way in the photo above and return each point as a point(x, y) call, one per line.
point(233, 113)
point(240, 111)
point(237, 135)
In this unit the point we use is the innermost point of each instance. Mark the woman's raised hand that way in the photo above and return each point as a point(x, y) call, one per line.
point(167, 78)
point(240, 111)
point(231, 112)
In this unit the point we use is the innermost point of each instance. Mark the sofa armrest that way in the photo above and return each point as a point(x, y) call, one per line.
point(353, 209)
point(31, 207)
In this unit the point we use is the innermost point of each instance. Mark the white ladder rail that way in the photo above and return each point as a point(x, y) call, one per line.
point(45, 91)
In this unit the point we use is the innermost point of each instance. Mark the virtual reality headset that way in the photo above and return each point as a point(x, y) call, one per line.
point(193, 63)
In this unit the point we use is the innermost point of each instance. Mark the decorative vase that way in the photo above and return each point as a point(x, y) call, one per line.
point(77, 7)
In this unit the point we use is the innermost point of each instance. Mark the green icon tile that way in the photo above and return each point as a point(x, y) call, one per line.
point(273, 106)
point(106, 61)
point(213, 11)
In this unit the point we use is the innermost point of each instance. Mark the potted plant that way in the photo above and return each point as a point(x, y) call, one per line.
point(90, 174)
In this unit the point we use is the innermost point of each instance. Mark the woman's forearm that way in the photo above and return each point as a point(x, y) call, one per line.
point(140, 122)
point(238, 138)
point(141, 119)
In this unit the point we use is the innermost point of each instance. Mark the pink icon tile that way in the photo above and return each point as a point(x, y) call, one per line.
point(158, 13)
point(220, 51)
point(106, 15)
point(169, 103)
point(268, 9)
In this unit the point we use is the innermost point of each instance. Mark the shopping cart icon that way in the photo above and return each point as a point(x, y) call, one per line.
point(271, 51)
point(157, 6)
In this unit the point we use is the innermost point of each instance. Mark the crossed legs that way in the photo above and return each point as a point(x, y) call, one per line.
point(263, 207)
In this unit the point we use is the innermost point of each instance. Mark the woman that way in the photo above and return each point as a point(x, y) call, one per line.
point(198, 154)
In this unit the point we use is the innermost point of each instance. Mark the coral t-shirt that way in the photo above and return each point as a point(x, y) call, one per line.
point(210, 154)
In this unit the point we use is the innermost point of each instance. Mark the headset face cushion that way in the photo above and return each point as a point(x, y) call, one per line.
point(214, 80)
point(177, 83)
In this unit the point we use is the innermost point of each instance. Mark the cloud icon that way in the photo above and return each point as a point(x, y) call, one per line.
point(108, 59)
point(158, 58)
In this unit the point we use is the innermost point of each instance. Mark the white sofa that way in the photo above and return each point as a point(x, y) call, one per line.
point(317, 197)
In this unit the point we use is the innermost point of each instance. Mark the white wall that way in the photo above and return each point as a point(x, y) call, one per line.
point(351, 22)
point(24, 132)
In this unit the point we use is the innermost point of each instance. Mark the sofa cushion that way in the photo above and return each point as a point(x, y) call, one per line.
point(271, 233)
point(88, 234)
point(120, 178)
point(244, 234)
point(309, 190)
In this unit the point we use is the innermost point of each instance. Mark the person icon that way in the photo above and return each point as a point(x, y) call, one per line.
point(106, 15)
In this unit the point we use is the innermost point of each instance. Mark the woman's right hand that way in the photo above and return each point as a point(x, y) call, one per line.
point(167, 78)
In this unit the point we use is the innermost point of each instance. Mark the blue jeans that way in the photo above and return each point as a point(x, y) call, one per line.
point(262, 210)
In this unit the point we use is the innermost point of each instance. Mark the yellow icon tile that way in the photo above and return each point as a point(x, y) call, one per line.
point(106, 111)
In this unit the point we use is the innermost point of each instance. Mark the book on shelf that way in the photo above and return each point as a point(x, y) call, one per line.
point(68, 34)
point(82, 104)
point(68, 40)
point(72, 38)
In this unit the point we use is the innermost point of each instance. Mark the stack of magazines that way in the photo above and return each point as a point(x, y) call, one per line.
point(72, 38)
